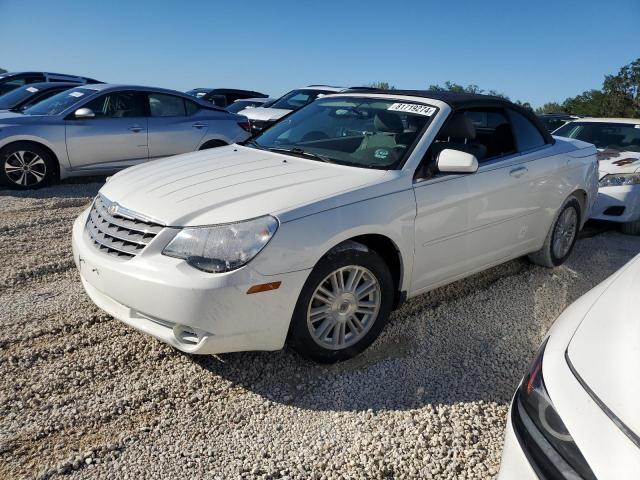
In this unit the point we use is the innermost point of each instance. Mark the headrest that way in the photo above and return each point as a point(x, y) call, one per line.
point(388, 122)
point(459, 126)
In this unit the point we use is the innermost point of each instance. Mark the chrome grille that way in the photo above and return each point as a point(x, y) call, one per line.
point(118, 231)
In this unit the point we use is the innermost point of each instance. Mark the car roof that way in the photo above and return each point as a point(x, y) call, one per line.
point(33, 72)
point(48, 85)
point(256, 99)
point(330, 88)
point(632, 121)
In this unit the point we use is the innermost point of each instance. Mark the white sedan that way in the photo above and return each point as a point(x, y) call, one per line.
point(314, 230)
point(618, 143)
point(575, 414)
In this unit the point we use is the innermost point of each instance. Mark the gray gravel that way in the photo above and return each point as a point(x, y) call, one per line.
point(83, 396)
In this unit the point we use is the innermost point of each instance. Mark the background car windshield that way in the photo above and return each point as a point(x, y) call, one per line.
point(8, 100)
point(60, 102)
point(604, 135)
point(298, 99)
point(363, 132)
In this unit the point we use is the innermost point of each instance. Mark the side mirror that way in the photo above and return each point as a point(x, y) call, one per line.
point(84, 113)
point(455, 161)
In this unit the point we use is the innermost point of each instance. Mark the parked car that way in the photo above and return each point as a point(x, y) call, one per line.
point(221, 97)
point(575, 414)
point(240, 105)
point(315, 229)
point(24, 97)
point(99, 129)
point(553, 121)
point(263, 117)
point(12, 80)
point(618, 143)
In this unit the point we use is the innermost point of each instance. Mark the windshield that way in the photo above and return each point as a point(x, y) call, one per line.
point(361, 132)
point(14, 97)
point(60, 102)
point(298, 98)
point(604, 135)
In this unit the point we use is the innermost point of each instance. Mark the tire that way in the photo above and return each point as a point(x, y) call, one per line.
point(343, 337)
point(26, 166)
point(562, 232)
point(631, 228)
point(213, 144)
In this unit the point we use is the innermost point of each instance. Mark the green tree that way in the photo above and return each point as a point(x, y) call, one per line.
point(2, 70)
point(457, 88)
point(550, 107)
point(381, 85)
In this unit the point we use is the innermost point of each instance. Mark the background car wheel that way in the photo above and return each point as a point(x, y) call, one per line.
point(561, 238)
point(26, 166)
point(631, 228)
point(343, 306)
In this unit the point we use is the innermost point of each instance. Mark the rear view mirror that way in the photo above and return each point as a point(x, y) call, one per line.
point(84, 113)
point(456, 161)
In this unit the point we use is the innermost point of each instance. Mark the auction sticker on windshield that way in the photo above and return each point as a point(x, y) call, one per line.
point(413, 108)
point(76, 94)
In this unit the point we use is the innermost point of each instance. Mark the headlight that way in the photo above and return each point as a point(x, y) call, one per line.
point(533, 398)
point(618, 179)
point(222, 248)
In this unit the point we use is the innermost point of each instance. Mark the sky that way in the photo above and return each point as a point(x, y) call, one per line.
point(535, 51)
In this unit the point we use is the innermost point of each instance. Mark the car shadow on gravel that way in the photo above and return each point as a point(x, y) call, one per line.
point(69, 188)
point(468, 341)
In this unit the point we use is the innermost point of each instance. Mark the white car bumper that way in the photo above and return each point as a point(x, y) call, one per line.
point(514, 463)
point(194, 311)
point(611, 200)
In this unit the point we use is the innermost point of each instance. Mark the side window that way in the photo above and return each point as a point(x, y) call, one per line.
point(526, 133)
point(192, 107)
point(162, 105)
point(118, 105)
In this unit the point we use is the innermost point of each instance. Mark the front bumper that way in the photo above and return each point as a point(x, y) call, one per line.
point(617, 204)
point(515, 464)
point(194, 311)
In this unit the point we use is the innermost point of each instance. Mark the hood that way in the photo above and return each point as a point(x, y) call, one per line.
point(605, 349)
point(614, 161)
point(264, 114)
point(228, 184)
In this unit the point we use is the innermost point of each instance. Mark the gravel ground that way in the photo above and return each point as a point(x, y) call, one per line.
point(84, 396)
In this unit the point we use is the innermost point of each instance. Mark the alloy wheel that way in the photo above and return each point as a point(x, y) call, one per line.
point(25, 168)
point(565, 232)
point(344, 307)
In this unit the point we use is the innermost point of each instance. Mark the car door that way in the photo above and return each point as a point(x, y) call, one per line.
point(468, 222)
point(115, 137)
point(173, 125)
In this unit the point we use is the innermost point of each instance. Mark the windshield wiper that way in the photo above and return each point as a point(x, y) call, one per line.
point(300, 152)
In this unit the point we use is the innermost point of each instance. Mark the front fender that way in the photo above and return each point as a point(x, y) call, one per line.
point(299, 244)
point(55, 142)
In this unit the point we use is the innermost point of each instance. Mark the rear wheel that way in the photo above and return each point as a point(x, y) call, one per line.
point(343, 306)
point(26, 166)
point(561, 238)
point(631, 228)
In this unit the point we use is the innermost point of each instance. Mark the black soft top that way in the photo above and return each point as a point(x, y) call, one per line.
point(466, 100)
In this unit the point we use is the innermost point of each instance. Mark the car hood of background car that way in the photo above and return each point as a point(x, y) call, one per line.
point(229, 184)
point(614, 161)
point(264, 114)
point(605, 349)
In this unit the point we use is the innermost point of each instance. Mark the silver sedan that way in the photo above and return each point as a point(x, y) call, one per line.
point(99, 129)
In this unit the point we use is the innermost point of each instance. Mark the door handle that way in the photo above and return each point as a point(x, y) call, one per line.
point(135, 128)
point(518, 172)
point(199, 125)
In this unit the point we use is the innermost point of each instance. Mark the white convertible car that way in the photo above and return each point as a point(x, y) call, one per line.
point(314, 230)
point(575, 414)
point(618, 143)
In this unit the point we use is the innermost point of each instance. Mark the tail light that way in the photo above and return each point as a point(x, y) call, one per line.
point(246, 126)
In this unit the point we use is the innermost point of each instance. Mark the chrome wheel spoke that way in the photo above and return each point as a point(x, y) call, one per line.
point(343, 307)
point(25, 168)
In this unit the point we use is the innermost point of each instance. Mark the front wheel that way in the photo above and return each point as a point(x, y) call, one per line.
point(561, 238)
point(631, 228)
point(343, 306)
point(25, 166)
